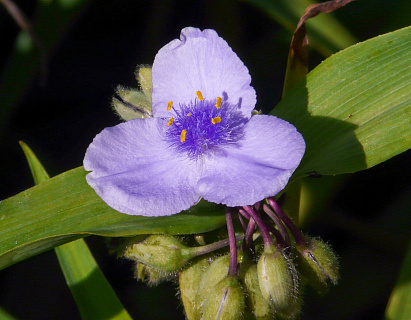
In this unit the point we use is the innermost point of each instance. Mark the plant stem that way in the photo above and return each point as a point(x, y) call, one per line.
point(279, 224)
point(232, 269)
point(268, 242)
point(298, 235)
point(198, 251)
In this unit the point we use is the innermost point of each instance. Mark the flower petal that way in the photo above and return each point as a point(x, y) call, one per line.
point(203, 61)
point(135, 172)
point(256, 168)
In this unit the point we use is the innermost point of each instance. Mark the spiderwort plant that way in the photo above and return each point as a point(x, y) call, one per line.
point(202, 141)
point(201, 138)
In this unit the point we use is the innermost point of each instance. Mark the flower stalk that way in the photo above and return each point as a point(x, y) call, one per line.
point(232, 269)
point(297, 234)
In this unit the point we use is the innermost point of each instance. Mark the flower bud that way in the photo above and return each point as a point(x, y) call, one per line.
point(131, 104)
point(225, 301)
point(143, 76)
point(151, 275)
point(256, 302)
point(162, 252)
point(189, 281)
point(318, 263)
point(278, 282)
point(217, 271)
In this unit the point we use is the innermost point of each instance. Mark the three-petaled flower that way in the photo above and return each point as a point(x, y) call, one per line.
point(202, 141)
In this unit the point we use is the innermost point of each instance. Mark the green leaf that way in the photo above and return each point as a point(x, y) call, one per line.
point(325, 33)
point(4, 315)
point(65, 208)
point(399, 305)
point(93, 294)
point(37, 170)
point(354, 109)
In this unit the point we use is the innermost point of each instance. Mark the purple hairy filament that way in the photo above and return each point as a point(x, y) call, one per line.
point(204, 125)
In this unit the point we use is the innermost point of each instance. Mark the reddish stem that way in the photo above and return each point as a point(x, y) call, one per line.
point(232, 269)
point(298, 235)
point(268, 242)
point(279, 224)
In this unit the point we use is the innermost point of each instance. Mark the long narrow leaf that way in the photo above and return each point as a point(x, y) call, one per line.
point(354, 110)
point(93, 294)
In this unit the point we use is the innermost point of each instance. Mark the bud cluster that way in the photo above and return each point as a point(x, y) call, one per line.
point(261, 277)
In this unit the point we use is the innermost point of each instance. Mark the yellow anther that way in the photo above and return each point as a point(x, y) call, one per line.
point(216, 120)
point(188, 114)
point(170, 122)
point(218, 103)
point(199, 95)
point(183, 135)
point(169, 105)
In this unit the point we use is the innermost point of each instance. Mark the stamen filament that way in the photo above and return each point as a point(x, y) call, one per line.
point(199, 95)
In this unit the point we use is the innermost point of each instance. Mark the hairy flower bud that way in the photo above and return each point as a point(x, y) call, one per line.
point(278, 282)
point(131, 103)
point(318, 263)
point(256, 302)
point(162, 252)
point(143, 76)
point(225, 301)
point(150, 275)
point(217, 271)
point(189, 281)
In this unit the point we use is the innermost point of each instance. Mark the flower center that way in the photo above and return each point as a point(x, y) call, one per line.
point(204, 125)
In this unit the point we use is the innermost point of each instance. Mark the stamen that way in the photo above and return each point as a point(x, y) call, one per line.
point(169, 105)
point(216, 120)
point(170, 122)
point(188, 114)
point(218, 103)
point(199, 95)
point(183, 135)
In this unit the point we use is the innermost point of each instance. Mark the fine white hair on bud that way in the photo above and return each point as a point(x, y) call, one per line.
point(278, 281)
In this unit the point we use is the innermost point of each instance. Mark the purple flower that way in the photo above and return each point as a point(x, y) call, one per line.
point(202, 141)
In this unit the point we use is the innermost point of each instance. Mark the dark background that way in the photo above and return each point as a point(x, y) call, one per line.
point(366, 221)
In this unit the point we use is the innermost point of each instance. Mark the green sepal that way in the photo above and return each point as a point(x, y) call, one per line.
point(226, 300)
point(278, 281)
point(256, 303)
point(216, 272)
point(189, 281)
point(131, 103)
point(143, 76)
point(152, 276)
point(162, 252)
point(318, 263)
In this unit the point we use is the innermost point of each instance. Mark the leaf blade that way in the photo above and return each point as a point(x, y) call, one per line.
point(65, 208)
point(354, 109)
point(92, 292)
